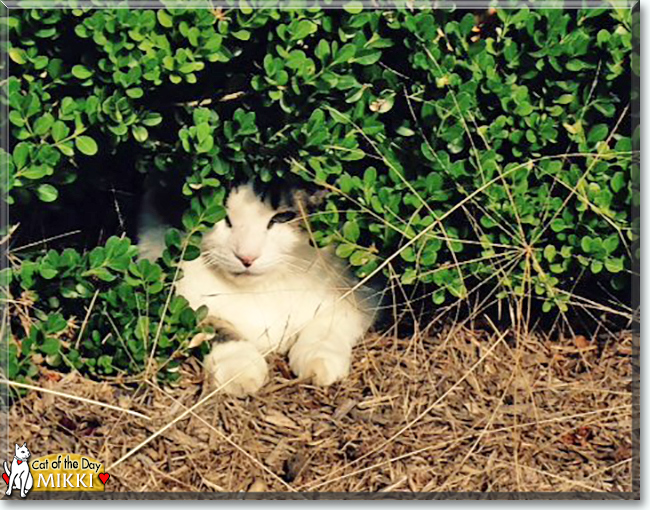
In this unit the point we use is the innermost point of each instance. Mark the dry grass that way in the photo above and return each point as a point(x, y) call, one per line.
point(461, 410)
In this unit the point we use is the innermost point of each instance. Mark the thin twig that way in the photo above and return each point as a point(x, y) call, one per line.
point(15, 384)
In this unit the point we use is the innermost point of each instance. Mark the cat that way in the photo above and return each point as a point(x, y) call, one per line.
point(20, 477)
point(269, 289)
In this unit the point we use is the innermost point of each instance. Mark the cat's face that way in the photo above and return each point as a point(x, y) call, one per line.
point(22, 452)
point(257, 236)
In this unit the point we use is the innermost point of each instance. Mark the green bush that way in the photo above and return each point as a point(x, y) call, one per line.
point(468, 153)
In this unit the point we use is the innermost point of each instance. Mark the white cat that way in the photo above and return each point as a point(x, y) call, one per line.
point(268, 289)
point(20, 476)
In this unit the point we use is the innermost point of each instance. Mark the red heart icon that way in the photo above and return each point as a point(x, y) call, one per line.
point(103, 477)
point(5, 478)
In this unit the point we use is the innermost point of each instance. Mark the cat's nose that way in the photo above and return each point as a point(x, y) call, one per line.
point(247, 261)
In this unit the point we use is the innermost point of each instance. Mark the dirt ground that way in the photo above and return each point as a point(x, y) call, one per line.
point(460, 410)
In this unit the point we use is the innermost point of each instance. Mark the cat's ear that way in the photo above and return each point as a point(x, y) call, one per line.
point(310, 200)
point(318, 198)
point(17, 447)
point(25, 443)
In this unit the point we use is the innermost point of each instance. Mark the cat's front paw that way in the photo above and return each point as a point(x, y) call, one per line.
point(236, 368)
point(322, 365)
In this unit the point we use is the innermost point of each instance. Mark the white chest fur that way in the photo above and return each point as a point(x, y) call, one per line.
point(270, 311)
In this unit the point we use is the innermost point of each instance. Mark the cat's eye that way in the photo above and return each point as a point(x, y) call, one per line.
point(282, 217)
point(228, 222)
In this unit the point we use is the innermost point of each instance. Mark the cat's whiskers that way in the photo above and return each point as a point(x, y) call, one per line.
point(295, 264)
point(297, 268)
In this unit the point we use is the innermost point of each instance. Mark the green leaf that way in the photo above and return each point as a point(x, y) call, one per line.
point(597, 133)
point(59, 131)
point(607, 109)
point(81, 72)
point(47, 193)
point(47, 272)
point(602, 37)
point(408, 254)
point(429, 256)
point(618, 182)
point(359, 258)
point(596, 266)
point(140, 133)
point(565, 99)
point(303, 29)
point(550, 252)
point(152, 119)
point(36, 172)
point(322, 50)
point(573, 128)
point(345, 54)
point(353, 7)
point(164, 18)
point(369, 178)
point(103, 274)
point(16, 118)
point(43, 124)
point(614, 265)
point(611, 243)
point(338, 116)
point(345, 250)
point(17, 55)
point(466, 24)
point(242, 35)
point(351, 231)
point(86, 145)
point(135, 92)
point(20, 154)
point(50, 346)
point(405, 131)
point(368, 58)
point(577, 65)
point(66, 149)
point(524, 109)
point(97, 257)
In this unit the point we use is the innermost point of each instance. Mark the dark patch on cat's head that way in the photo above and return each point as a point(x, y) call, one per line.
point(287, 192)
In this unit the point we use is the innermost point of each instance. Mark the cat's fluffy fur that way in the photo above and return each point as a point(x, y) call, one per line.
point(274, 292)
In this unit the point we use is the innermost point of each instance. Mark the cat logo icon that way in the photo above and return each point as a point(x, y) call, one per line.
point(19, 477)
